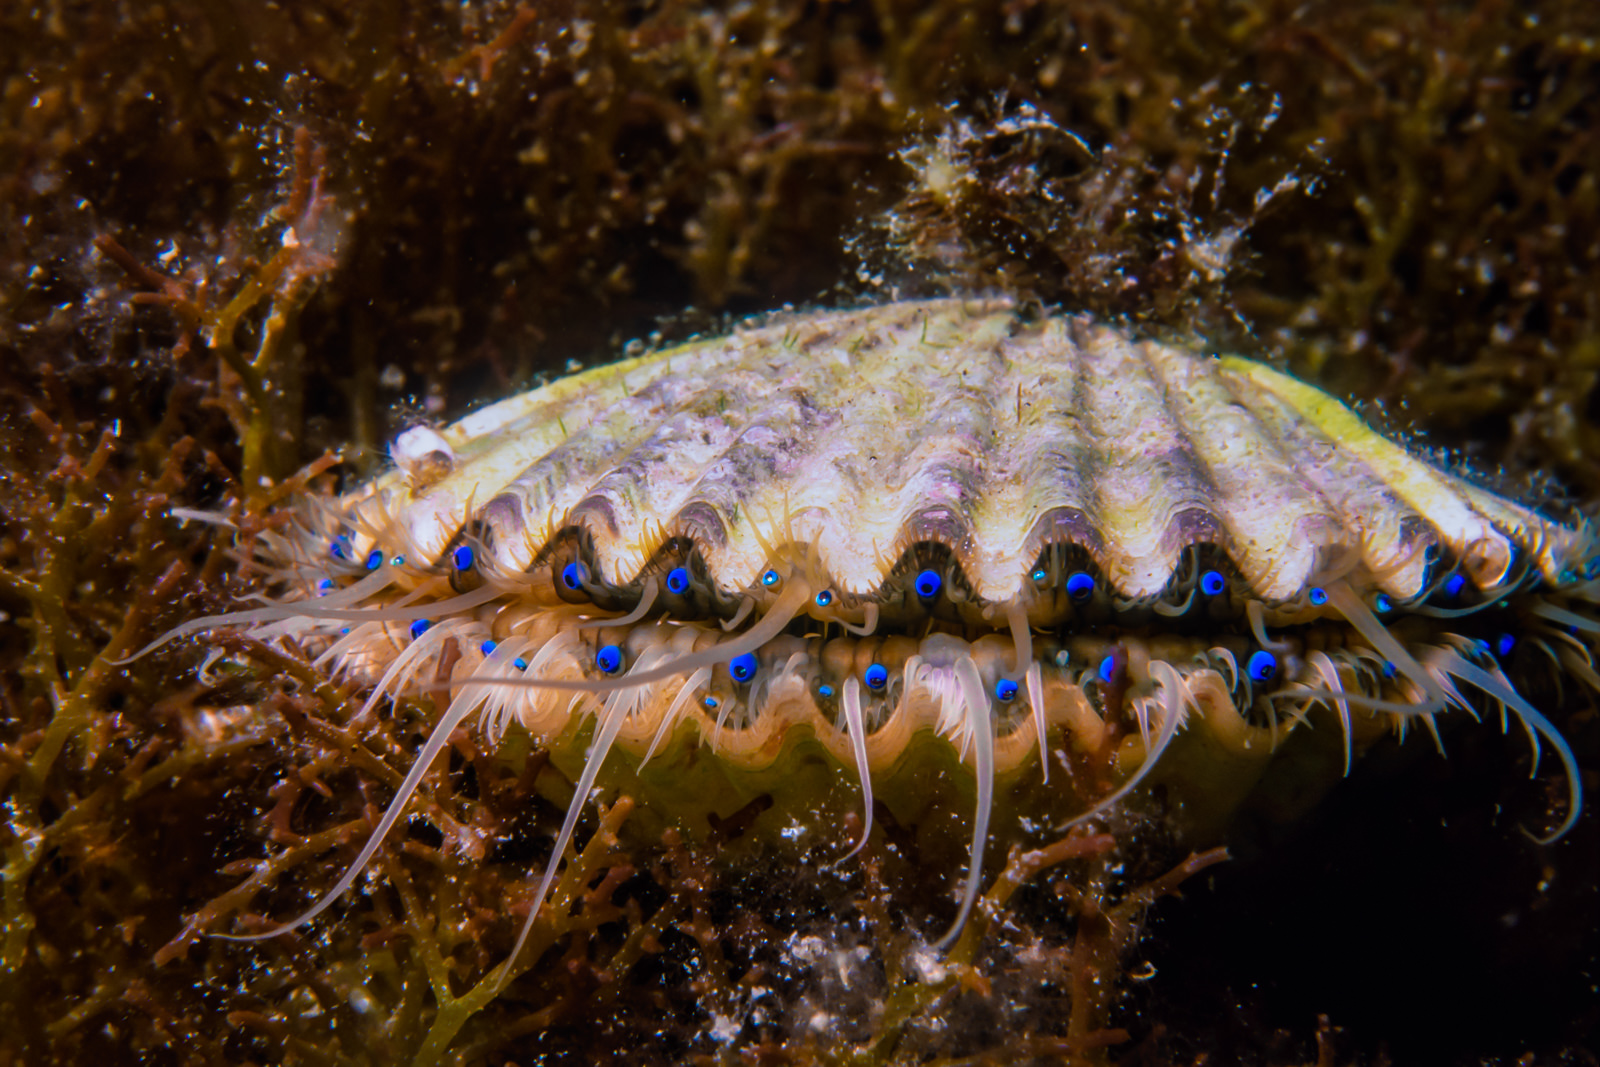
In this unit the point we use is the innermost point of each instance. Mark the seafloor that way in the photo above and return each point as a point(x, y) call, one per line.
point(235, 238)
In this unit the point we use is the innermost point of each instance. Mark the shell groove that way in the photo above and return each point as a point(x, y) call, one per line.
point(934, 519)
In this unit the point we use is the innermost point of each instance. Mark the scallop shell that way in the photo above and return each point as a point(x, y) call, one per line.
point(957, 422)
point(732, 540)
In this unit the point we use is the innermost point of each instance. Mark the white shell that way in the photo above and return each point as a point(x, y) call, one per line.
point(863, 432)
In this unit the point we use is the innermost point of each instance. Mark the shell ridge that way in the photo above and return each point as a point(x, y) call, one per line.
point(658, 475)
point(939, 499)
point(1394, 536)
point(1271, 473)
point(834, 476)
point(990, 558)
point(1485, 549)
point(1092, 513)
point(1053, 455)
point(1198, 519)
point(590, 437)
point(548, 490)
point(1554, 546)
point(730, 455)
point(895, 448)
point(1070, 517)
point(1034, 463)
point(1143, 477)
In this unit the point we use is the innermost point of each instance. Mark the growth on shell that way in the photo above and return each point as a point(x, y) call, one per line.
point(935, 517)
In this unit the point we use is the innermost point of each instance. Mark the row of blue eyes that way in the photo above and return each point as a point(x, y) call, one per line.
point(1262, 666)
point(1080, 584)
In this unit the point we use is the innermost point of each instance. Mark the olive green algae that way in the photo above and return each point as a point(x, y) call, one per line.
point(236, 239)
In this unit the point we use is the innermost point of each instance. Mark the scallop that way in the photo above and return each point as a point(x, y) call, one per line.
point(947, 521)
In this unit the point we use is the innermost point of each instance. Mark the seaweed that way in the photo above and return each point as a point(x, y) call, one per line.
point(238, 242)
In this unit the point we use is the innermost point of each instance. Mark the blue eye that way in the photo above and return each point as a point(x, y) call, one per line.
point(824, 690)
point(325, 586)
point(1080, 586)
point(1382, 604)
point(418, 628)
point(462, 557)
point(337, 546)
point(710, 703)
point(743, 668)
point(1318, 597)
point(824, 598)
point(398, 561)
point(374, 560)
point(770, 579)
point(1212, 583)
point(609, 659)
point(1005, 690)
point(520, 664)
point(1504, 644)
point(487, 648)
point(1482, 645)
point(678, 581)
point(573, 575)
point(1040, 576)
point(1108, 669)
point(1453, 585)
point(1262, 666)
point(928, 584)
point(876, 676)
point(1389, 668)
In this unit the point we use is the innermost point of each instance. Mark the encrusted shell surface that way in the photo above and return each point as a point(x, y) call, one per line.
point(960, 422)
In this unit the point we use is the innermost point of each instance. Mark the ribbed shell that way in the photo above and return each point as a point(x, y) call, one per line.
point(864, 432)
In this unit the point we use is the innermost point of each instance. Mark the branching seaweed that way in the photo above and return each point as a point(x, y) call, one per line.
point(234, 240)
